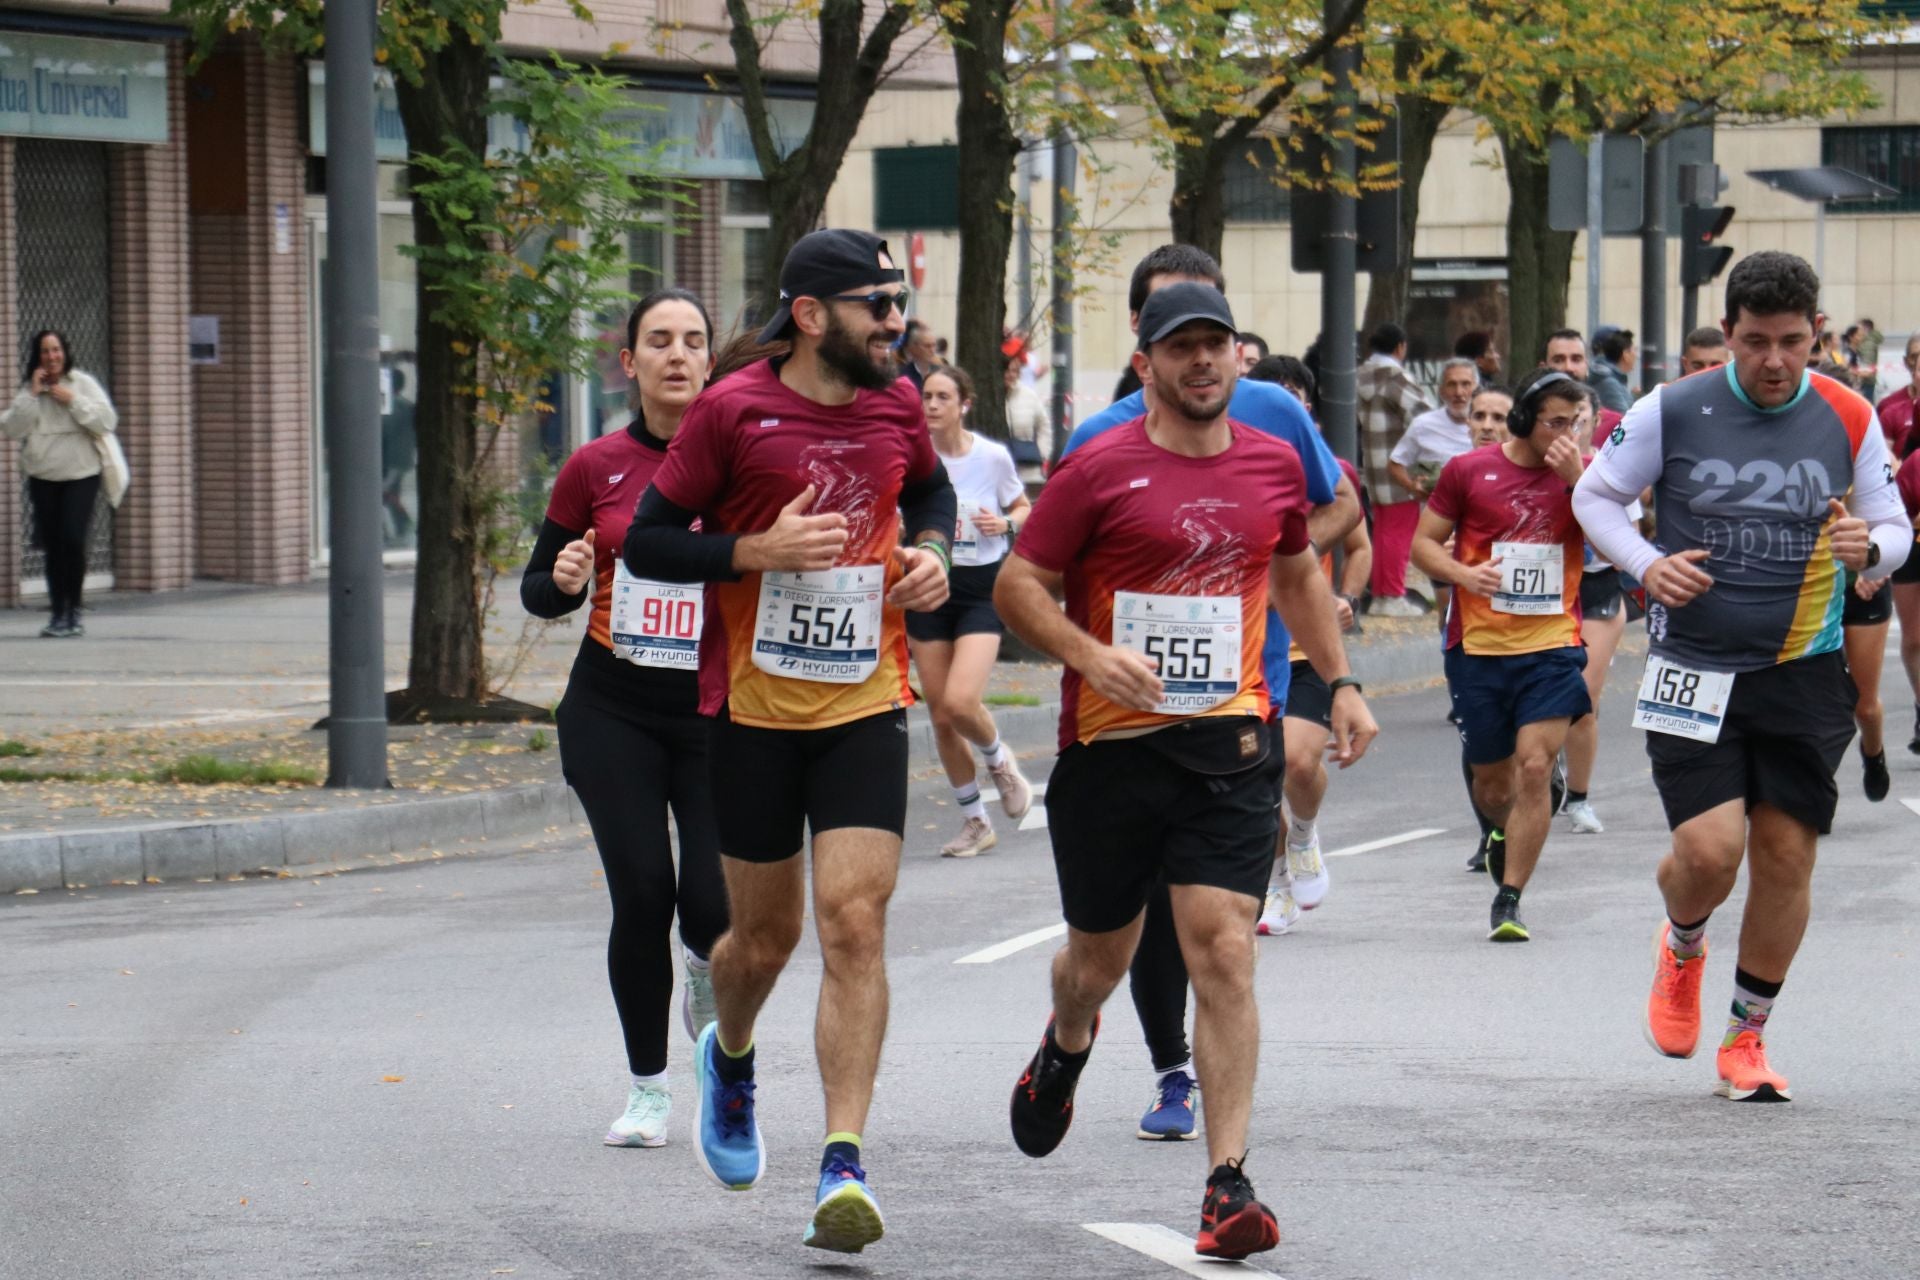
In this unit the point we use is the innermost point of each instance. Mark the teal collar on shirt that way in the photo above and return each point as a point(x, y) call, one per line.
point(1806, 382)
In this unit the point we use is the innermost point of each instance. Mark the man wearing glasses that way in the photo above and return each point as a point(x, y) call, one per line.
point(1513, 654)
point(802, 469)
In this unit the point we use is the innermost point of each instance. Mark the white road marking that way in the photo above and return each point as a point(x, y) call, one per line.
point(1035, 818)
point(1912, 804)
point(1001, 950)
point(1164, 1244)
point(1385, 842)
point(1013, 946)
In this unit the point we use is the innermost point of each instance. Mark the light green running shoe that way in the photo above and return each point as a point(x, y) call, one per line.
point(697, 1008)
point(644, 1123)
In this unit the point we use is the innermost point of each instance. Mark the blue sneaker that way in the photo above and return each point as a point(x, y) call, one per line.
point(727, 1139)
point(846, 1219)
point(1170, 1118)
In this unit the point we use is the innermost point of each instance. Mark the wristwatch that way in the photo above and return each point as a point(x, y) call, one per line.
point(1873, 555)
point(1338, 683)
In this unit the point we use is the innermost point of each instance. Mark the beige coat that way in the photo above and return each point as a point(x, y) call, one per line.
point(57, 439)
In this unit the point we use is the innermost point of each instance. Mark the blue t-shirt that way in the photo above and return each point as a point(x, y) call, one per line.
point(1269, 407)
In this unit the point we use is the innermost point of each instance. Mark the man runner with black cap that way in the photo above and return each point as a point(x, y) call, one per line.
point(1165, 535)
point(802, 469)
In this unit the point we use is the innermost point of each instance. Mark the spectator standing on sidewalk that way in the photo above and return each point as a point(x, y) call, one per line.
point(1389, 400)
point(57, 416)
point(1029, 429)
point(1477, 346)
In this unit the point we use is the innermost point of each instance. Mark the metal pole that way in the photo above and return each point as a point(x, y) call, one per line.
point(1064, 164)
point(1596, 225)
point(1023, 240)
point(1820, 240)
point(1653, 271)
point(1338, 281)
point(357, 720)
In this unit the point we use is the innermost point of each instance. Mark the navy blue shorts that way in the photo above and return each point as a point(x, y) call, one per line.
point(1493, 696)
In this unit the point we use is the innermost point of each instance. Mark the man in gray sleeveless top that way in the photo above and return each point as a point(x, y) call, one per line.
point(1767, 480)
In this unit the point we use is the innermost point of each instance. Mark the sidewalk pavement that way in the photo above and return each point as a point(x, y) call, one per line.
point(240, 674)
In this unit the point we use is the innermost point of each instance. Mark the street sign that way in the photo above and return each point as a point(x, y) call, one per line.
point(917, 259)
point(1377, 213)
point(1623, 174)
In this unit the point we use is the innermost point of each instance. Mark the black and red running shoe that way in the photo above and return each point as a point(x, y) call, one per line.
point(1043, 1100)
point(1233, 1223)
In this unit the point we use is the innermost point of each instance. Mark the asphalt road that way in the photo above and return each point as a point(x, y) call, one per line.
point(406, 1073)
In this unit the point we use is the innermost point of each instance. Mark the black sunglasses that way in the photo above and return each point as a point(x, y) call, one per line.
point(877, 304)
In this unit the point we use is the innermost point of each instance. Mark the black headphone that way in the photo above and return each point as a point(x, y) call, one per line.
point(1526, 400)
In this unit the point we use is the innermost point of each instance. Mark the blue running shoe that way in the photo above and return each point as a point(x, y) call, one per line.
point(847, 1218)
point(1170, 1118)
point(726, 1138)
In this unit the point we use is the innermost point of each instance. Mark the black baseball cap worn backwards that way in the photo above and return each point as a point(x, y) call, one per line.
point(826, 262)
point(1168, 308)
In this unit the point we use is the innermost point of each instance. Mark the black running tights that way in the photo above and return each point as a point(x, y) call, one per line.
point(1158, 981)
point(629, 766)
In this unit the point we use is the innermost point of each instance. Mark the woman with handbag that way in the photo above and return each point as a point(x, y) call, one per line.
point(62, 417)
point(1029, 433)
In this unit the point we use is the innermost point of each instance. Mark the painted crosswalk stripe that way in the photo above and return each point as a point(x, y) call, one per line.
point(1013, 946)
point(1001, 950)
point(1385, 842)
point(1164, 1244)
point(1035, 818)
point(1912, 804)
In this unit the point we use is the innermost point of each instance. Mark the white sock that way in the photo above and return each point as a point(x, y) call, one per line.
point(695, 962)
point(1186, 1066)
point(968, 798)
point(657, 1081)
point(1301, 832)
point(996, 755)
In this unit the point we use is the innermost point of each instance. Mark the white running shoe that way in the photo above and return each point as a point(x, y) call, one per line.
point(1396, 607)
point(697, 1007)
point(1281, 913)
point(1585, 820)
point(1308, 871)
point(975, 837)
point(1016, 793)
point(645, 1122)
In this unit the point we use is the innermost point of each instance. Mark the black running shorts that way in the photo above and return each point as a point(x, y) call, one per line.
point(1121, 814)
point(1308, 697)
point(1601, 595)
point(1786, 730)
point(771, 785)
point(1867, 613)
point(968, 610)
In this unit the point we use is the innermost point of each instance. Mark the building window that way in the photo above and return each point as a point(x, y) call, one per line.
point(916, 188)
point(1885, 153)
point(744, 228)
point(1252, 190)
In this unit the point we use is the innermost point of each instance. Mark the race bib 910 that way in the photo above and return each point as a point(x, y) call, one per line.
point(656, 624)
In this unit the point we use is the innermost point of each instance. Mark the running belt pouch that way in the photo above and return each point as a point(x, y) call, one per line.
point(1213, 745)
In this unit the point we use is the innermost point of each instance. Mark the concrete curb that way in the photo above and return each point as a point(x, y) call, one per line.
point(334, 840)
point(376, 834)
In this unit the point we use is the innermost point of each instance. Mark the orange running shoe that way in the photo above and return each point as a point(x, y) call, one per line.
point(1744, 1073)
point(1673, 1009)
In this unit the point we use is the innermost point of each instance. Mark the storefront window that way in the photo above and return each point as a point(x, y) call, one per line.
point(649, 267)
point(744, 228)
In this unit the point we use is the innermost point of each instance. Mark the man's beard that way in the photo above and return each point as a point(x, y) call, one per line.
point(847, 357)
point(1198, 411)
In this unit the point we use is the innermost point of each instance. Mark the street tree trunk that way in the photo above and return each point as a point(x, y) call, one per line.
point(851, 69)
point(1419, 125)
point(988, 148)
point(1198, 206)
point(446, 661)
point(1539, 259)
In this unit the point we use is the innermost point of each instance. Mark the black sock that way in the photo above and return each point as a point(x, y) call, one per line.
point(1575, 797)
point(847, 1151)
point(1072, 1059)
point(730, 1069)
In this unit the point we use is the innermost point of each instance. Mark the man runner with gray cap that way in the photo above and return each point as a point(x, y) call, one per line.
point(1165, 536)
point(802, 469)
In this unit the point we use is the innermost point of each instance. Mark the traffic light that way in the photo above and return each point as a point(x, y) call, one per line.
point(1700, 258)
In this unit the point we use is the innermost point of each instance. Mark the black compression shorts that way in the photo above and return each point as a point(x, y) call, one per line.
point(968, 610)
point(771, 785)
